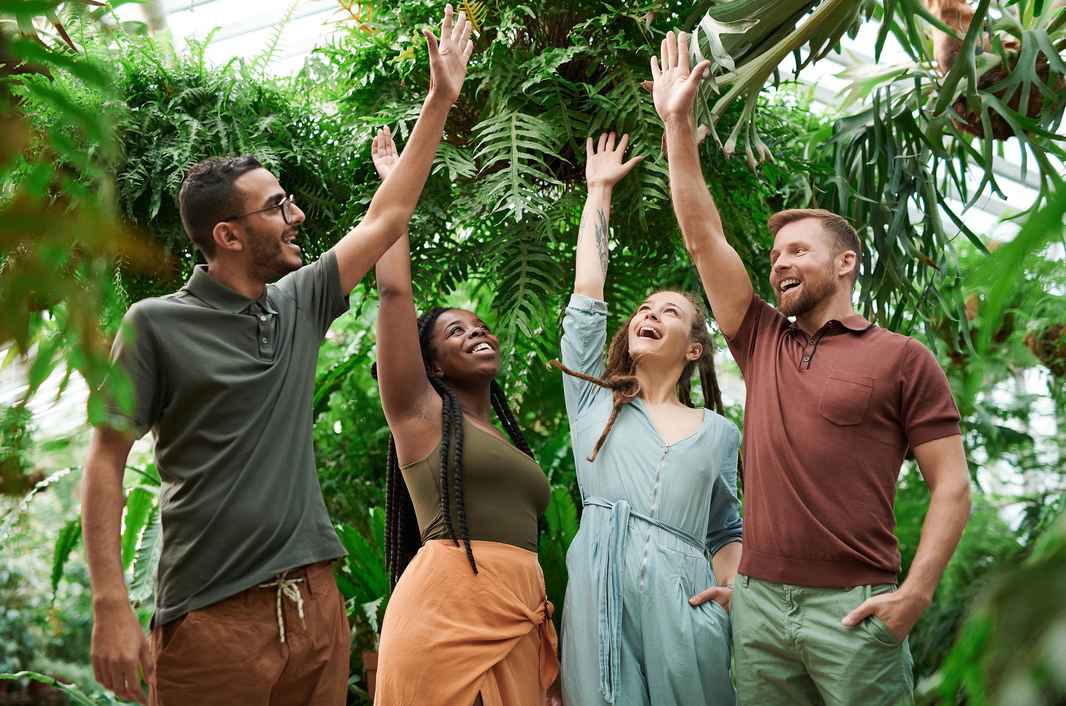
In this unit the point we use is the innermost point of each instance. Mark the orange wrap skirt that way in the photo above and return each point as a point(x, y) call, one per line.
point(449, 635)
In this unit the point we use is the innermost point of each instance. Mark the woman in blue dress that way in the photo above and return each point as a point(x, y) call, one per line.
point(646, 619)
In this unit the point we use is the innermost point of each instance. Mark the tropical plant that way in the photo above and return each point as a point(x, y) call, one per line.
point(495, 227)
point(918, 132)
point(59, 234)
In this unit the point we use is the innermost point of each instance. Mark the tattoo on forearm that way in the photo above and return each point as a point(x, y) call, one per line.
point(602, 238)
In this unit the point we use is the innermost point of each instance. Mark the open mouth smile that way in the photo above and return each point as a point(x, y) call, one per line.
point(788, 284)
point(648, 332)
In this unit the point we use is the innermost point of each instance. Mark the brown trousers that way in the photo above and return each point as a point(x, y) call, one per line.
point(231, 652)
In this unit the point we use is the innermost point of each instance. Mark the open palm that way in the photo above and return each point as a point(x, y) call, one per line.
point(674, 85)
point(604, 165)
point(383, 152)
point(448, 56)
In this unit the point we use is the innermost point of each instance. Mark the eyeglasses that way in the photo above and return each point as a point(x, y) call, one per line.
point(286, 205)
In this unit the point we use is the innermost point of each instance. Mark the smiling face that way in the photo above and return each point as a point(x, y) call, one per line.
point(662, 328)
point(271, 251)
point(463, 348)
point(803, 267)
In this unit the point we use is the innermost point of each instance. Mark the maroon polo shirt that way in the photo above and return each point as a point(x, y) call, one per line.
point(827, 422)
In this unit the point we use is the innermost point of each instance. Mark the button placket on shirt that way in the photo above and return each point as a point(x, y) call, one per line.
point(266, 331)
point(654, 510)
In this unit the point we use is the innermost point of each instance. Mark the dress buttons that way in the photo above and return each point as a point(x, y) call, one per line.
point(262, 317)
point(265, 339)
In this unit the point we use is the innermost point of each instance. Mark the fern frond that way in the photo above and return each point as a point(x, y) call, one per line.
point(476, 12)
point(261, 60)
point(528, 277)
point(146, 559)
point(513, 149)
point(455, 161)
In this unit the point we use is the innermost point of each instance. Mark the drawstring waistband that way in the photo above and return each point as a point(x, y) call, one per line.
point(288, 588)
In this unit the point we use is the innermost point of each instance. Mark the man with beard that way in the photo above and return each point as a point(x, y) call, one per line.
point(223, 372)
point(834, 404)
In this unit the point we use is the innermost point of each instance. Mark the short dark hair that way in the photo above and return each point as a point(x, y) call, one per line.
point(844, 236)
point(208, 196)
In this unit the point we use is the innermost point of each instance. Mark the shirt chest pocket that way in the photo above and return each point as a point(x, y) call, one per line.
point(845, 398)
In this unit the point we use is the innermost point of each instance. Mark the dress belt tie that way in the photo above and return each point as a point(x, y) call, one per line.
point(610, 585)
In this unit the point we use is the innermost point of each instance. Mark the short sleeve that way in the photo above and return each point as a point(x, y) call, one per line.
point(584, 338)
point(134, 402)
point(759, 317)
point(927, 409)
point(726, 525)
point(317, 290)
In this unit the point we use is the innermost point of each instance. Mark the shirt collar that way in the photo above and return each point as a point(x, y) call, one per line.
point(219, 296)
point(854, 323)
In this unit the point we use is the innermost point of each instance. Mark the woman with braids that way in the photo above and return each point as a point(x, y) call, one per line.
point(468, 621)
point(646, 619)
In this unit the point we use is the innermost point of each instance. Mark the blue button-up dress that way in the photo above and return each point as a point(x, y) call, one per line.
point(654, 513)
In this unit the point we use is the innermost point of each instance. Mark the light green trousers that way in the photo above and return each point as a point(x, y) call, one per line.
point(790, 648)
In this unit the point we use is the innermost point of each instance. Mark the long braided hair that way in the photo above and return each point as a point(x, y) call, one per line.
point(620, 376)
point(402, 536)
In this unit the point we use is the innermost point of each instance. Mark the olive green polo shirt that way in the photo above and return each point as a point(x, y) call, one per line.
point(225, 384)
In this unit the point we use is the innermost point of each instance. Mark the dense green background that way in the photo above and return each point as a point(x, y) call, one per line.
point(105, 150)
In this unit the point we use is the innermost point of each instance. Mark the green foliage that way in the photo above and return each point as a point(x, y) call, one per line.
point(15, 440)
point(76, 695)
point(59, 232)
point(68, 538)
point(1019, 608)
point(140, 504)
point(907, 152)
point(561, 522)
point(104, 138)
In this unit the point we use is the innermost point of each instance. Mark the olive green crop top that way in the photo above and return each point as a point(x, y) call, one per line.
point(505, 491)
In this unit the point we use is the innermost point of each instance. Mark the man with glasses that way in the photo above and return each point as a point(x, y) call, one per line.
point(223, 371)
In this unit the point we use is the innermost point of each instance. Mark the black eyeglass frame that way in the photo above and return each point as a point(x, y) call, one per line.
point(286, 215)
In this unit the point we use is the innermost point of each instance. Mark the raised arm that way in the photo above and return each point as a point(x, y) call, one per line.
point(721, 270)
point(603, 169)
point(119, 649)
point(396, 198)
point(406, 395)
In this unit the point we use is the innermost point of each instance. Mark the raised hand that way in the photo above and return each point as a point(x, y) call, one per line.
point(674, 85)
point(383, 152)
point(604, 165)
point(449, 56)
